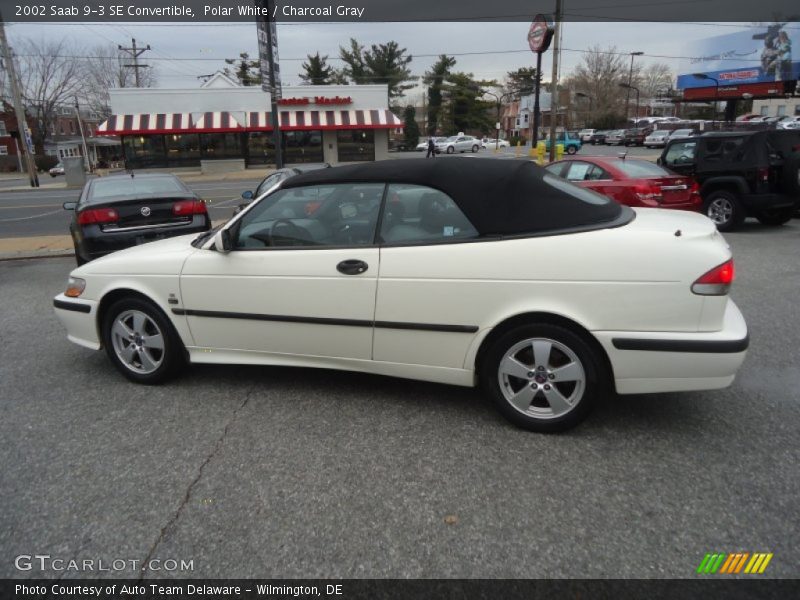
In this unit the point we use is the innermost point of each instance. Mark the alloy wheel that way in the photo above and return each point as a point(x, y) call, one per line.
point(542, 378)
point(720, 211)
point(138, 342)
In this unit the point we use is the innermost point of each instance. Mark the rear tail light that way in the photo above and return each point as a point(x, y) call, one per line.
point(694, 193)
point(97, 216)
point(647, 193)
point(763, 174)
point(189, 207)
point(717, 282)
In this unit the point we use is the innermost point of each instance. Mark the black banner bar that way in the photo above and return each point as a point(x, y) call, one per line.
point(198, 11)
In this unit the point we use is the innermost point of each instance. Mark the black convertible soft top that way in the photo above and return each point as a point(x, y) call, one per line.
point(498, 196)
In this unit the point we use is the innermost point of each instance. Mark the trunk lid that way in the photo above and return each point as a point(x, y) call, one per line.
point(674, 189)
point(145, 213)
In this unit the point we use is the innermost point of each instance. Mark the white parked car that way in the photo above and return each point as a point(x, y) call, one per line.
point(495, 143)
point(585, 135)
point(458, 143)
point(423, 145)
point(493, 273)
point(657, 138)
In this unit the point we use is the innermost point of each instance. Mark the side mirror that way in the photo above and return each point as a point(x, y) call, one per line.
point(222, 241)
point(659, 161)
point(69, 205)
point(240, 208)
point(248, 195)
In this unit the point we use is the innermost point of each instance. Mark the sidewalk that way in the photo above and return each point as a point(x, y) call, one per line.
point(42, 246)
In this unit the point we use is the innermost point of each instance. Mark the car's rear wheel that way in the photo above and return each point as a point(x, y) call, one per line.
point(571, 149)
point(775, 217)
point(724, 208)
point(451, 149)
point(141, 341)
point(542, 377)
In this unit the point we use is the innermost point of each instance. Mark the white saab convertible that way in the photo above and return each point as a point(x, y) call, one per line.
point(490, 272)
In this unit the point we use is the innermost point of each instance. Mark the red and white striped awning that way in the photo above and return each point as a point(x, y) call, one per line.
point(294, 120)
point(226, 122)
point(219, 122)
point(146, 124)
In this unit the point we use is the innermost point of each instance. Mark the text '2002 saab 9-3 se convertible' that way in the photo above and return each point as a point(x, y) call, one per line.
point(465, 272)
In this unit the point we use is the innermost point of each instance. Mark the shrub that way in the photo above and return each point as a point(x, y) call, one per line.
point(45, 162)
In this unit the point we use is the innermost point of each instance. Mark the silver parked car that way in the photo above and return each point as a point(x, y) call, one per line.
point(656, 139)
point(458, 143)
point(616, 137)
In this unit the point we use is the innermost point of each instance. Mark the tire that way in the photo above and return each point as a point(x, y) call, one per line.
point(775, 217)
point(451, 149)
point(571, 150)
point(723, 207)
point(475, 148)
point(571, 399)
point(134, 320)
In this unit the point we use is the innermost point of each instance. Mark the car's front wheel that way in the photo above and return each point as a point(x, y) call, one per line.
point(451, 149)
point(141, 341)
point(542, 377)
point(571, 149)
point(775, 217)
point(475, 148)
point(724, 208)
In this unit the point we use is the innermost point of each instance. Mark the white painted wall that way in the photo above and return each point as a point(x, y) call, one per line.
point(791, 106)
point(239, 99)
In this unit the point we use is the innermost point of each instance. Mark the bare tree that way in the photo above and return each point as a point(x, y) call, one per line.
point(655, 79)
point(50, 78)
point(105, 70)
point(598, 76)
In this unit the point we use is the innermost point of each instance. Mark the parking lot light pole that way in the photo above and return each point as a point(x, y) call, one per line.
point(589, 98)
point(499, 103)
point(630, 82)
point(716, 95)
point(633, 87)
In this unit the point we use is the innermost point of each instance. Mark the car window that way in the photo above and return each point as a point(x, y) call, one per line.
point(135, 187)
point(555, 168)
point(583, 171)
point(681, 153)
point(419, 214)
point(269, 182)
point(641, 168)
point(316, 215)
point(728, 149)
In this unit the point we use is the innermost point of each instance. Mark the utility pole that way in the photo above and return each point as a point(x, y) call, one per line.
point(22, 123)
point(628, 94)
point(554, 78)
point(135, 54)
point(267, 52)
point(87, 160)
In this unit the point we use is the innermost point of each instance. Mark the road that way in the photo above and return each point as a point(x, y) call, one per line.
point(278, 472)
point(35, 213)
point(29, 213)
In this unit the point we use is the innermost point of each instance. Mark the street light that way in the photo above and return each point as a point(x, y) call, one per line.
point(632, 87)
point(499, 102)
point(589, 98)
point(630, 81)
point(716, 94)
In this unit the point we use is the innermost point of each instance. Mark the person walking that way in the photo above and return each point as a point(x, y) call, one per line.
point(431, 148)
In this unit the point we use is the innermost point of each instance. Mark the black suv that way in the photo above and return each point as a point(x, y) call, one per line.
point(741, 174)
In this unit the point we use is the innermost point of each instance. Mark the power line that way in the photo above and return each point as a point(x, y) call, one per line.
point(135, 54)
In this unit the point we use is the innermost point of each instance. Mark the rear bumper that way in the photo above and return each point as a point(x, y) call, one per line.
point(648, 362)
point(94, 243)
point(79, 317)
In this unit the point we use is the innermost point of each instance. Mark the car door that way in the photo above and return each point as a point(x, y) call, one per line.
point(423, 315)
point(300, 280)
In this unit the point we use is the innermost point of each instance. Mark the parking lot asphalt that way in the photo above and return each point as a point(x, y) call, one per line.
point(279, 472)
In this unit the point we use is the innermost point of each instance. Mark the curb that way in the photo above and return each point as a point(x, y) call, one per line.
point(37, 256)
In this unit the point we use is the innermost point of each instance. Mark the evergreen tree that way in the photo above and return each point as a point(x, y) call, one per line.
point(247, 71)
point(382, 63)
point(411, 128)
point(434, 79)
point(465, 109)
point(316, 70)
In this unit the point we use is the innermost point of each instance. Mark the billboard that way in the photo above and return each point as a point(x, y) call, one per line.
point(759, 55)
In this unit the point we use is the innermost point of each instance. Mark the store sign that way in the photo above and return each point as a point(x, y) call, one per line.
point(336, 100)
point(540, 33)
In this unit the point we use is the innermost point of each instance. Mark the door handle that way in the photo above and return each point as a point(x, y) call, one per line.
point(352, 266)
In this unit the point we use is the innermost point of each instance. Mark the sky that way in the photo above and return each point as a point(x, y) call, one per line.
point(183, 51)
